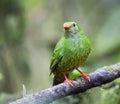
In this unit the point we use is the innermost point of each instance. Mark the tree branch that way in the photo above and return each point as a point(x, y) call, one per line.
point(100, 76)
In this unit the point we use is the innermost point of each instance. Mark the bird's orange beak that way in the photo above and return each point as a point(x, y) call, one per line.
point(66, 27)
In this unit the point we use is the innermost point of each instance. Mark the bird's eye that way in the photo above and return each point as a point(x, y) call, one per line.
point(74, 25)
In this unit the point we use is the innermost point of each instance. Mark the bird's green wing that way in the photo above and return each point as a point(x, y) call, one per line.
point(57, 56)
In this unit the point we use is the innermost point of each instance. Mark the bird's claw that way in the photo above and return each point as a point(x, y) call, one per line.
point(86, 76)
point(69, 82)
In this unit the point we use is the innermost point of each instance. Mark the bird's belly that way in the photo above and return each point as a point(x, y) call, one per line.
point(73, 60)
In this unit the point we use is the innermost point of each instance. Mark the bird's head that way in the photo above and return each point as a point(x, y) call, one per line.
point(71, 27)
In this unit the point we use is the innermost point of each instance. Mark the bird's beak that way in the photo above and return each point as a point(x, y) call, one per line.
point(66, 27)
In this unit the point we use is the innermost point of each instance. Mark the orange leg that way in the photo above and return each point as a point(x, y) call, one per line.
point(67, 80)
point(83, 74)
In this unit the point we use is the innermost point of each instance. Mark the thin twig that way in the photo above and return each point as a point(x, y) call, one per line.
point(24, 90)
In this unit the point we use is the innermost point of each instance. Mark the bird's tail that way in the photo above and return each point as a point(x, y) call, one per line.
point(58, 78)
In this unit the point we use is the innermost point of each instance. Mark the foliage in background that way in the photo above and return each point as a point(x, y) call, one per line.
point(13, 59)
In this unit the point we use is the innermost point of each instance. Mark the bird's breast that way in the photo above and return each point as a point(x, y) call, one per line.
point(74, 55)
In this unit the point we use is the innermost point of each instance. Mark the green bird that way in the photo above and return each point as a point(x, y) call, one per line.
point(70, 52)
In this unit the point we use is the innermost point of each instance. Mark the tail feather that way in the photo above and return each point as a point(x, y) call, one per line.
point(58, 79)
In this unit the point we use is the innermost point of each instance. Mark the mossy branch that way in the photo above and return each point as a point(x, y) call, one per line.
point(100, 76)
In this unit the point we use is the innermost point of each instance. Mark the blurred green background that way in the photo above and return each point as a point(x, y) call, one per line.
point(29, 30)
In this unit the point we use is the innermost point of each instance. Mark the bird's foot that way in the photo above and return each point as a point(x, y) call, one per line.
point(83, 74)
point(86, 76)
point(68, 81)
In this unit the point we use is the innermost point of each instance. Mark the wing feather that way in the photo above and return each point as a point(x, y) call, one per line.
point(56, 57)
